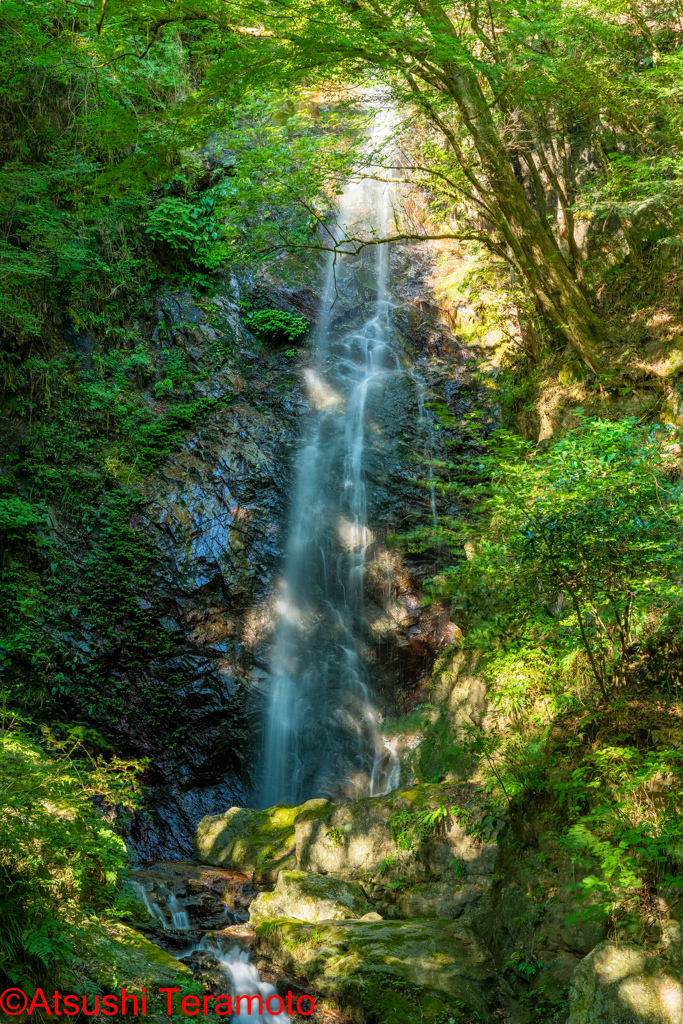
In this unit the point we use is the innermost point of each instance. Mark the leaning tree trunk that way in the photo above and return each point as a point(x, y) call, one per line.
point(536, 251)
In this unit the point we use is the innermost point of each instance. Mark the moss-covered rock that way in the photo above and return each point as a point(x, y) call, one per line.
point(350, 841)
point(307, 897)
point(113, 956)
point(261, 843)
point(621, 983)
point(355, 840)
point(391, 972)
point(443, 900)
point(122, 955)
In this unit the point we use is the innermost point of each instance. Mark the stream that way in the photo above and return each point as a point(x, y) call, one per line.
point(198, 915)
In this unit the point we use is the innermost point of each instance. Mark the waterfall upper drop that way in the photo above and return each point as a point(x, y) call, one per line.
point(321, 734)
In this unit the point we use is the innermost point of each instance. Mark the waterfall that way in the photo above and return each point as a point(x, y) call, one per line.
point(180, 918)
point(152, 909)
point(244, 980)
point(321, 733)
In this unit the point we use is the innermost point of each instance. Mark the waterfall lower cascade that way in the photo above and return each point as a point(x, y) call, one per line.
point(180, 920)
point(243, 979)
point(321, 734)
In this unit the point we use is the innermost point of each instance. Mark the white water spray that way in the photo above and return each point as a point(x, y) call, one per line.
point(151, 907)
point(243, 980)
point(322, 735)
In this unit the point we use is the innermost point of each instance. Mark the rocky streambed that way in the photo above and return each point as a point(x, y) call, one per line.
point(459, 923)
point(200, 916)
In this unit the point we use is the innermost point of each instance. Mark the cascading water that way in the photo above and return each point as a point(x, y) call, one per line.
point(152, 908)
point(244, 980)
point(179, 917)
point(180, 920)
point(321, 735)
point(237, 963)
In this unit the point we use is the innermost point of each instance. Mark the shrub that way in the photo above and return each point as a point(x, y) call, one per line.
point(275, 322)
point(60, 859)
point(578, 552)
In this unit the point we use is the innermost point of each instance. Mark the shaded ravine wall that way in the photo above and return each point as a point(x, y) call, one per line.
point(212, 514)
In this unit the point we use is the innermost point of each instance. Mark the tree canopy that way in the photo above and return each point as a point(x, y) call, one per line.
point(535, 125)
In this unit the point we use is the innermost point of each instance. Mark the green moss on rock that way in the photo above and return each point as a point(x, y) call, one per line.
point(122, 956)
point(111, 957)
point(621, 983)
point(261, 843)
point(412, 972)
point(308, 897)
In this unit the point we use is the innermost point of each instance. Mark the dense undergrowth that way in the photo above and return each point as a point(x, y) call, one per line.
point(565, 581)
point(61, 859)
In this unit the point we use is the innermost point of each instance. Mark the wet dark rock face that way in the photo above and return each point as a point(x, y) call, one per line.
point(214, 513)
point(403, 636)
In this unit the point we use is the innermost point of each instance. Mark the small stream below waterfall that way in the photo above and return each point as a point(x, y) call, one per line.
point(199, 915)
point(242, 977)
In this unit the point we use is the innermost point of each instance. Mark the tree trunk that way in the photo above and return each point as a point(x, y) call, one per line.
point(540, 259)
point(537, 252)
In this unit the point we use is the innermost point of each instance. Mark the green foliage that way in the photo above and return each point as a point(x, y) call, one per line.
point(411, 829)
point(60, 858)
point(155, 440)
point(335, 835)
point(199, 132)
point(72, 632)
point(523, 964)
point(388, 999)
point(569, 585)
point(542, 1010)
point(276, 323)
point(440, 753)
point(576, 556)
point(17, 515)
point(617, 826)
point(596, 91)
point(122, 167)
point(187, 226)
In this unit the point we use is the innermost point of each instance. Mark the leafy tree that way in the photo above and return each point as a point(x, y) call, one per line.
point(518, 120)
point(120, 167)
point(511, 96)
point(578, 552)
point(60, 858)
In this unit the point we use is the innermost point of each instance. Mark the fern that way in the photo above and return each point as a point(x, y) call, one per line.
point(59, 859)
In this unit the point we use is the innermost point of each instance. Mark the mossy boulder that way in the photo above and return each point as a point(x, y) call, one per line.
point(443, 900)
point(388, 972)
point(355, 840)
point(260, 843)
point(113, 956)
point(307, 897)
point(621, 983)
point(122, 955)
point(352, 841)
